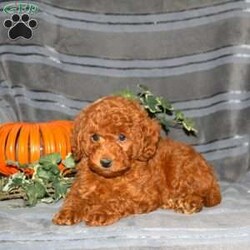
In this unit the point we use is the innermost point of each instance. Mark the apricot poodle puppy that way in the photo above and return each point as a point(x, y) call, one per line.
point(125, 167)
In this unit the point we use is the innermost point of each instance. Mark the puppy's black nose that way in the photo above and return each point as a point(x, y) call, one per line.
point(106, 163)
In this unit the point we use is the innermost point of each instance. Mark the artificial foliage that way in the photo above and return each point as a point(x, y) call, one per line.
point(47, 183)
point(161, 109)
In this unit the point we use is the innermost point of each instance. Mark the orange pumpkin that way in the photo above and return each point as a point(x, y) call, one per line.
point(27, 142)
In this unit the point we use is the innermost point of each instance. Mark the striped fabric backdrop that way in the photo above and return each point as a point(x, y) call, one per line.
point(195, 53)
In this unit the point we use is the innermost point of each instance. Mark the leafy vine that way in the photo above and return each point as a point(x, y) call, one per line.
point(161, 109)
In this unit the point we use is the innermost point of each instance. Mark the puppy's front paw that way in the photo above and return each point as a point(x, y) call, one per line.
point(66, 217)
point(189, 205)
point(101, 219)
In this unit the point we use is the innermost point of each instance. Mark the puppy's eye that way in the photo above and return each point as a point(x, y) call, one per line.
point(121, 137)
point(95, 137)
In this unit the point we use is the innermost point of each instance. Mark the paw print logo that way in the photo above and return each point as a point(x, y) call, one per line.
point(20, 26)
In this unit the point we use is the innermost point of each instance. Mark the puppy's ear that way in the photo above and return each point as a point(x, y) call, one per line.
point(77, 137)
point(149, 140)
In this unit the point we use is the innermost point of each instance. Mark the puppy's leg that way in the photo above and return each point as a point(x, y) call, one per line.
point(70, 213)
point(101, 218)
point(106, 213)
point(187, 205)
point(214, 195)
point(190, 180)
point(74, 206)
point(66, 217)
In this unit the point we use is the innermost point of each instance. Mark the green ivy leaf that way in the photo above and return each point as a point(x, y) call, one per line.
point(54, 158)
point(152, 104)
point(49, 172)
point(69, 161)
point(165, 123)
point(30, 191)
point(39, 189)
point(43, 174)
point(179, 116)
point(166, 105)
point(156, 105)
point(47, 183)
point(34, 192)
point(188, 124)
point(15, 181)
point(144, 91)
point(60, 189)
point(55, 170)
point(144, 88)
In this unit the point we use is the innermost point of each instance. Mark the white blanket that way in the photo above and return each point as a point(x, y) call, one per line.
point(226, 226)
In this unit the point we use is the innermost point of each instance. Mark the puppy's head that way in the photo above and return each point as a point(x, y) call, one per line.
point(112, 133)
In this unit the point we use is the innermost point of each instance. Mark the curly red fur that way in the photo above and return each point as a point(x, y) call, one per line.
point(143, 171)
